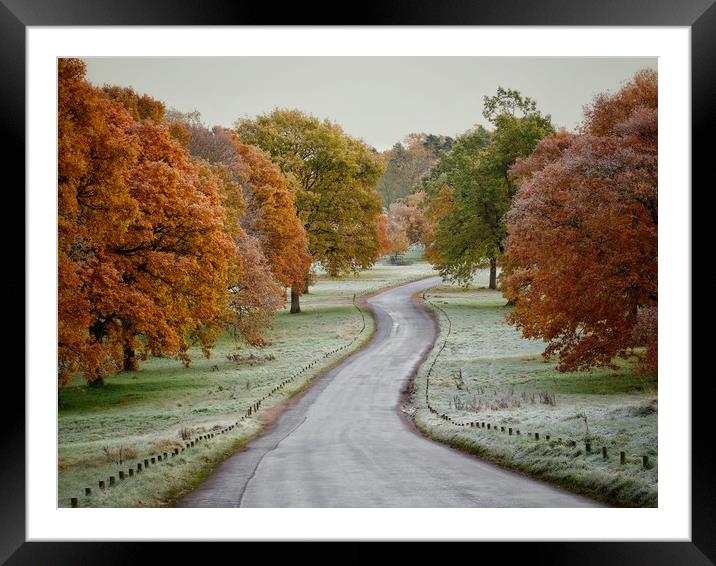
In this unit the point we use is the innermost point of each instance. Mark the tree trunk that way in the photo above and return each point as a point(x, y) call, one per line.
point(130, 358)
point(493, 273)
point(305, 284)
point(98, 331)
point(295, 298)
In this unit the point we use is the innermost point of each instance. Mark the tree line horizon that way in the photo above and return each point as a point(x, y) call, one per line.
point(171, 233)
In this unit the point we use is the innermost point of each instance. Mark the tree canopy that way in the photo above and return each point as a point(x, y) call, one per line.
point(144, 245)
point(406, 224)
point(267, 208)
point(582, 255)
point(170, 232)
point(407, 163)
point(472, 190)
point(334, 176)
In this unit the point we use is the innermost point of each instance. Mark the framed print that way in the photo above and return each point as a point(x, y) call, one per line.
point(392, 278)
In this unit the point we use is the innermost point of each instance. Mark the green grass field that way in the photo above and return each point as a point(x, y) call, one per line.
point(489, 373)
point(143, 412)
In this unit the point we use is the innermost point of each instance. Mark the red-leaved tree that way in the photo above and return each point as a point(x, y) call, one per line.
point(581, 261)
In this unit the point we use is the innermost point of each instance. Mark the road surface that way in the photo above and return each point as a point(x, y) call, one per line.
point(345, 443)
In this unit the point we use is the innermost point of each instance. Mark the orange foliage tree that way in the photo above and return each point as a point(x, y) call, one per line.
point(581, 261)
point(269, 214)
point(144, 244)
point(407, 223)
point(409, 214)
point(384, 241)
point(140, 106)
point(255, 294)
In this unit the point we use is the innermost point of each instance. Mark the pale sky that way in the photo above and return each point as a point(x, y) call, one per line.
point(378, 99)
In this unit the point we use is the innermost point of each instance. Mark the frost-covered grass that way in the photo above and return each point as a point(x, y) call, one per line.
point(489, 373)
point(382, 275)
point(143, 412)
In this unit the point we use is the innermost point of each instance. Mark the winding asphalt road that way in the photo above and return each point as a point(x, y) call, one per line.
point(344, 443)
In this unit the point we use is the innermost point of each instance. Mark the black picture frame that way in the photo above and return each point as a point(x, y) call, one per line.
point(699, 15)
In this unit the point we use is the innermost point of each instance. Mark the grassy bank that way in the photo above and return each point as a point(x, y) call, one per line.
point(144, 413)
point(488, 373)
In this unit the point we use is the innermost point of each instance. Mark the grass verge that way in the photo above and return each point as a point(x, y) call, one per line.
point(488, 373)
point(144, 413)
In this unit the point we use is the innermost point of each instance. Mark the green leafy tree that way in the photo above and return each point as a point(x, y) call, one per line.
point(518, 128)
point(470, 229)
point(469, 233)
point(335, 177)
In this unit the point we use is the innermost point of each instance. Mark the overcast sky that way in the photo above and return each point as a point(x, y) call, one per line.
point(378, 99)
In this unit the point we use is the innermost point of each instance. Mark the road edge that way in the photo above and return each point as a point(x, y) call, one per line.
point(269, 419)
point(407, 399)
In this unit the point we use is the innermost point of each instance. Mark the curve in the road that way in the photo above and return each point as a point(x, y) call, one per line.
point(345, 444)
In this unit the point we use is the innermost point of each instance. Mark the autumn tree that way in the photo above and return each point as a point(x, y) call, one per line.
point(407, 162)
point(411, 213)
point(470, 232)
point(144, 245)
point(385, 243)
point(335, 177)
point(272, 216)
point(267, 211)
point(141, 107)
point(89, 191)
point(255, 293)
point(581, 259)
point(407, 223)
point(398, 237)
